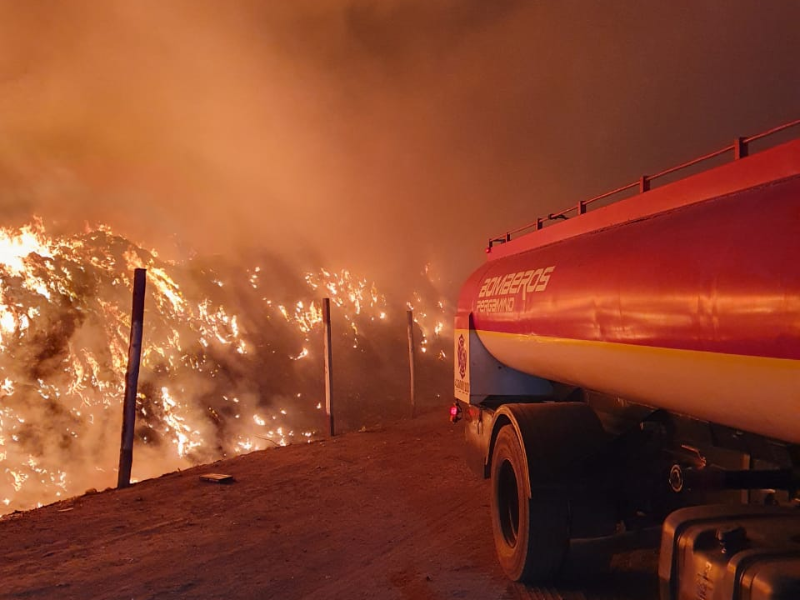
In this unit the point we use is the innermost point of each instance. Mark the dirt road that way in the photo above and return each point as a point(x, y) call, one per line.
point(390, 514)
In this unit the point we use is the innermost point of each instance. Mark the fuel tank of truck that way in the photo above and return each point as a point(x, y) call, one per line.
point(685, 298)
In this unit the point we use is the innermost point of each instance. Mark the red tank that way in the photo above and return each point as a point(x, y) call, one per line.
point(684, 298)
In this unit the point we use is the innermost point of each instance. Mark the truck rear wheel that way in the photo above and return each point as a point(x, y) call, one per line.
point(531, 534)
point(539, 493)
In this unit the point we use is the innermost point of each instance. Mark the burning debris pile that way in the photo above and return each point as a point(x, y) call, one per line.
point(231, 360)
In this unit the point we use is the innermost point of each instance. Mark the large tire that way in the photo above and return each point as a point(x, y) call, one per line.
point(532, 533)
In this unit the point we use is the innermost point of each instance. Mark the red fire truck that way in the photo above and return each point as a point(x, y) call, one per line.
point(615, 365)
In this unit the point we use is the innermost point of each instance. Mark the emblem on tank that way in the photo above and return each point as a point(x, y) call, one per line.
point(462, 356)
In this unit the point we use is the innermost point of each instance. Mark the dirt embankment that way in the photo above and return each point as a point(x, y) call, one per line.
point(391, 513)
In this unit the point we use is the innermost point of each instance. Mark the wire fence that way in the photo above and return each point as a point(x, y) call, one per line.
point(330, 406)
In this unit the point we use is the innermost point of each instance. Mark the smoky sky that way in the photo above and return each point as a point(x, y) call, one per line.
point(377, 134)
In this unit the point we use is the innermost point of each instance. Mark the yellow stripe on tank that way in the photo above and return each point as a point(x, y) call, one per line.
point(751, 393)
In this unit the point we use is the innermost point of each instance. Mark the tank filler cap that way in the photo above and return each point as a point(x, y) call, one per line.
point(676, 478)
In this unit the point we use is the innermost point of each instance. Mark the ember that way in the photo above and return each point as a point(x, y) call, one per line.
point(230, 361)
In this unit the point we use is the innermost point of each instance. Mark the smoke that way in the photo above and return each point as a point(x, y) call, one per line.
point(232, 360)
point(377, 134)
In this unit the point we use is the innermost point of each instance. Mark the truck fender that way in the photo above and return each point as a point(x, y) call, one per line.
point(557, 438)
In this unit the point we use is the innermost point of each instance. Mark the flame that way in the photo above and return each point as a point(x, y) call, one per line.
point(303, 354)
point(64, 334)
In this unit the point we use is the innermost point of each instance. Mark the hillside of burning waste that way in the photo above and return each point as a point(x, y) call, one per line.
point(232, 358)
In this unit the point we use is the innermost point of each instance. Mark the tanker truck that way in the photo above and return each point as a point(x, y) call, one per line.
point(635, 368)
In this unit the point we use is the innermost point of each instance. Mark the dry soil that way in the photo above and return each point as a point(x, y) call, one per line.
point(390, 513)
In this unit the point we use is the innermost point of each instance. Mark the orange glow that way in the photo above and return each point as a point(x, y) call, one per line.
point(64, 305)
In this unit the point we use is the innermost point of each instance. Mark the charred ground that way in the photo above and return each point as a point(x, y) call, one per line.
point(391, 512)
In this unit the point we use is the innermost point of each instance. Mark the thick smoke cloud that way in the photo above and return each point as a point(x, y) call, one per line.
point(379, 134)
point(376, 135)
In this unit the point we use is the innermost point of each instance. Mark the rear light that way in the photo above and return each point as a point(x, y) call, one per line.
point(455, 413)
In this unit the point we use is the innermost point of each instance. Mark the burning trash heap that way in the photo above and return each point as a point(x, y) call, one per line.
point(231, 363)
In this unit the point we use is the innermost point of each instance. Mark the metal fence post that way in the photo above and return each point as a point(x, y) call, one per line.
point(412, 386)
point(132, 379)
point(326, 319)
